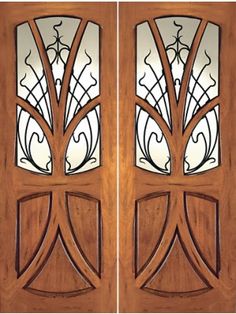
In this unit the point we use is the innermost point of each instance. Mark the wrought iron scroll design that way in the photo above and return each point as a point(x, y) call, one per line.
point(36, 92)
point(148, 134)
point(194, 84)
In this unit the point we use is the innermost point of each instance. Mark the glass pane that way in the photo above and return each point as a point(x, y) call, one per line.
point(150, 79)
point(177, 34)
point(32, 150)
point(83, 152)
point(202, 152)
point(204, 80)
point(31, 81)
point(58, 34)
point(152, 152)
point(84, 83)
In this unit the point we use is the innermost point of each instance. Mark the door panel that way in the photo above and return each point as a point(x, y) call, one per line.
point(58, 157)
point(177, 202)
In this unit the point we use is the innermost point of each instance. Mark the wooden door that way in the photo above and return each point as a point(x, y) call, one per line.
point(58, 157)
point(177, 157)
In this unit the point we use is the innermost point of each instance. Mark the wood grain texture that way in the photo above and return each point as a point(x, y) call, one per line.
point(16, 183)
point(176, 275)
point(203, 220)
point(53, 280)
point(85, 220)
point(151, 214)
point(217, 184)
point(33, 215)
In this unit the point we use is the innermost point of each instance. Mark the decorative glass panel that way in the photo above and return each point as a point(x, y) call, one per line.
point(186, 50)
point(204, 80)
point(152, 152)
point(58, 34)
point(150, 79)
point(31, 80)
point(202, 152)
point(84, 83)
point(83, 152)
point(177, 34)
point(43, 70)
point(33, 152)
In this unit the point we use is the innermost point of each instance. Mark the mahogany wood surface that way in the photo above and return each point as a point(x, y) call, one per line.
point(192, 267)
point(57, 232)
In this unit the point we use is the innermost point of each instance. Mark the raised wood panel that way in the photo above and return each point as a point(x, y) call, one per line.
point(85, 220)
point(203, 219)
point(33, 214)
point(151, 214)
point(58, 275)
point(177, 275)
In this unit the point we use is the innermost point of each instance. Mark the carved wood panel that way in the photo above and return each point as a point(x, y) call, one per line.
point(58, 274)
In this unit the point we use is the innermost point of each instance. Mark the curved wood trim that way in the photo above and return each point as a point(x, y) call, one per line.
point(198, 116)
point(50, 294)
point(166, 68)
point(159, 120)
point(37, 117)
point(70, 243)
point(148, 197)
point(84, 196)
point(177, 234)
point(185, 294)
point(57, 235)
point(216, 202)
point(47, 69)
point(178, 220)
point(57, 220)
point(18, 241)
point(188, 68)
point(68, 69)
point(75, 121)
point(41, 254)
point(160, 253)
point(196, 258)
point(155, 115)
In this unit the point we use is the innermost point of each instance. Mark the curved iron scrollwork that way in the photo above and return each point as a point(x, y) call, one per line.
point(83, 151)
point(202, 96)
point(58, 53)
point(177, 53)
point(84, 144)
point(163, 91)
point(78, 99)
point(37, 94)
point(202, 150)
point(150, 141)
point(31, 140)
